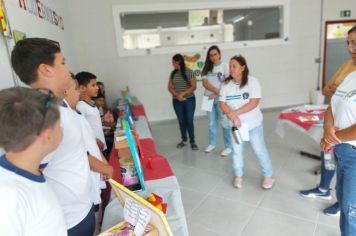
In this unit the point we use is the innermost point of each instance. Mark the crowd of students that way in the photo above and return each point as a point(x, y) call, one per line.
point(54, 166)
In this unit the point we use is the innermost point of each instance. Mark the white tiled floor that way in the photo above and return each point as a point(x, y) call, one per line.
point(214, 207)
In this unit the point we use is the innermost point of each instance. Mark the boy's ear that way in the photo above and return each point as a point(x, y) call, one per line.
point(44, 70)
point(45, 135)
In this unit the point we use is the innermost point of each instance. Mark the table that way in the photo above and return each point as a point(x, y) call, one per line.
point(158, 175)
point(312, 127)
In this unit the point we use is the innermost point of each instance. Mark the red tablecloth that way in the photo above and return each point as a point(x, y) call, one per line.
point(137, 110)
point(293, 117)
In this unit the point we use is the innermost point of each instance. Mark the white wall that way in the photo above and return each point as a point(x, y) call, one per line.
point(33, 26)
point(6, 77)
point(287, 73)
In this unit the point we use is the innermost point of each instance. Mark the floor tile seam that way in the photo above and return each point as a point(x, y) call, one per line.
point(286, 214)
point(316, 223)
point(249, 220)
point(200, 202)
point(235, 201)
point(209, 229)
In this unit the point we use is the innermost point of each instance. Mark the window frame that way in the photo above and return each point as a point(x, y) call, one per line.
point(174, 7)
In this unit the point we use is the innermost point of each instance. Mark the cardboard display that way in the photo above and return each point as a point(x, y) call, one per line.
point(158, 219)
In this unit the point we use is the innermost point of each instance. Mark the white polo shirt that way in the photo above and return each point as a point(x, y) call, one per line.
point(235, 97)
point(67, 170)
point(343, 104)
point(217, 76)
point(28, 206)
point(92, 114)
point(93, 149)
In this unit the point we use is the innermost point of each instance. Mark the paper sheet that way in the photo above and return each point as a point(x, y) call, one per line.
point(244, 132)
point(207, 104)
point(136, 216)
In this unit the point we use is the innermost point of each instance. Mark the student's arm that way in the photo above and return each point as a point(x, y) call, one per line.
point(100, 167)
point(210, 87)
point(330, 87)
point(347, 134)
point(171, 88)
point(227, 110)
point(329, 138)
point(192, 88)
point(252, 104)
point(100, 144)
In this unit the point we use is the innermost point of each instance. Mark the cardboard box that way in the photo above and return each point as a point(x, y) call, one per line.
point(120, 141)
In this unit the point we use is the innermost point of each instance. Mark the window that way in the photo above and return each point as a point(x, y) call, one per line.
point(144, 31)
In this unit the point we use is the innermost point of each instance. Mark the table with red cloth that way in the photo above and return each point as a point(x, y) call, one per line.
point(302, 119)
point(159, 179)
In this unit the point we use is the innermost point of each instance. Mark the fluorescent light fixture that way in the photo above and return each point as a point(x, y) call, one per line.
point(238, 19)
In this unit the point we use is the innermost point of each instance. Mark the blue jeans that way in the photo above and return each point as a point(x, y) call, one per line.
point(325, 175)
point(259, 147)
point(214, 116)
point(185, 114)
point(346, 187)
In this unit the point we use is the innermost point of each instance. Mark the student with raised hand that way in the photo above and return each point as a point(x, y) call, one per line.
point(30, 129)
point(214, 73)
point(240, 96)
point(39, 63)
point(181, 85)
point(88, 89)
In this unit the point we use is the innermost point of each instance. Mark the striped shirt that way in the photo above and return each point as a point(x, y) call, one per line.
point(180, 84)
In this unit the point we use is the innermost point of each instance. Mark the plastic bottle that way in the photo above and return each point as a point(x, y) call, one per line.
point(329, 159)
point(236, 134)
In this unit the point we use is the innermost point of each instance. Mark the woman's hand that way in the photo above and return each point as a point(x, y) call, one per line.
point(236, 122)
point(330, 138)
point(212, 96)
point(231, 115)
point(180, 97)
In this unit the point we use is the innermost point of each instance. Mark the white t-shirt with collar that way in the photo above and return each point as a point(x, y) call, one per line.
point(235, 97)
point(92, 114)
point(28, 206)
point(67, 170)
point(217, 76)
point(93, 149)
point(343, 104)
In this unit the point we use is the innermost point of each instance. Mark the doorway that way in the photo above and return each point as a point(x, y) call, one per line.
point(335, 49)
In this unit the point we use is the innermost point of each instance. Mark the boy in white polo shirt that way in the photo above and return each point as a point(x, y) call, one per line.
point(30, 129)
point(89, 89)
point(39, 63)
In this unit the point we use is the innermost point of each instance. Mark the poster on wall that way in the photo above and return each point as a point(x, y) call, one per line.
point(195, 64)
point(4, 22)
point(18, 35)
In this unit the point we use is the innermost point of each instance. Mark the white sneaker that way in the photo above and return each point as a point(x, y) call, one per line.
point(226, 152)
point(209, 148)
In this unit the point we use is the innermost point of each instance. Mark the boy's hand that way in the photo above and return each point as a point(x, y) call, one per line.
point(108, 172)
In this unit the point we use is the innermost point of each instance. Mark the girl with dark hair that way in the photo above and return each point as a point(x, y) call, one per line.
point(214, 73)
point(239, 99)
point(181, 85)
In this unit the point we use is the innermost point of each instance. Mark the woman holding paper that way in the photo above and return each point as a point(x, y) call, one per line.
point(239, 100)
point(214, 73)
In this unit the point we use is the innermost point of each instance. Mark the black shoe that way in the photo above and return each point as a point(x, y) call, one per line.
point(181, 144)
point(194, 147)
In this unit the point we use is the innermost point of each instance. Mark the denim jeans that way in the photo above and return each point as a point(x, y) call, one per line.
point(259, 147)
point(346, 187)
point(325, 175)
point(85, 227)
point(185, 114)
point(214, 116)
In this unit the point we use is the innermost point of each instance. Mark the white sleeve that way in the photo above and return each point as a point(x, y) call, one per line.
point(222, 94)
point(13, 212)
point(81, 107)
point(254, 87)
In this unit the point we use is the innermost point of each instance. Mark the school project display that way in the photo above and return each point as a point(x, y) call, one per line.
point(139, 214)
point(135, 157)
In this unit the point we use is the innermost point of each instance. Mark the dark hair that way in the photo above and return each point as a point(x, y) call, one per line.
point(353, 29)
point(209, 65)
point(29, 53)
point(180, 59)
point(84, 78)
point(100, 95)
point(242, 61)
point(25, 113)
point(100, 83)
